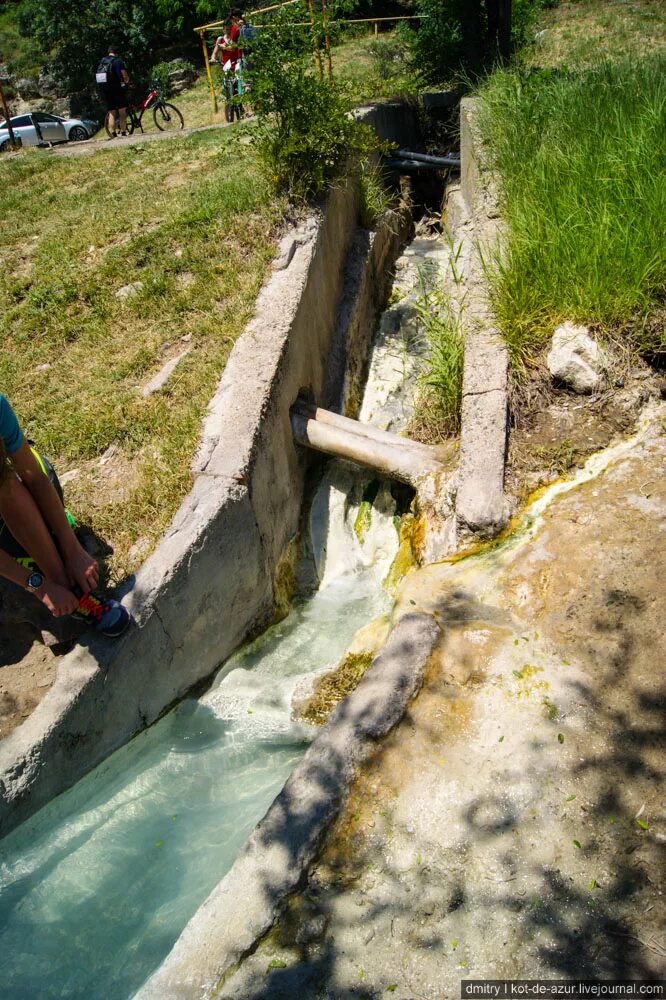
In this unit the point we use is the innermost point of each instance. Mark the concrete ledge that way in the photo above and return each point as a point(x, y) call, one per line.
point(474, 218)
point(245, 904)
point(209, 584)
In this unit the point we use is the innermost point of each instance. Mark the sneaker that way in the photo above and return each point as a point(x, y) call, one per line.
point(107, 615)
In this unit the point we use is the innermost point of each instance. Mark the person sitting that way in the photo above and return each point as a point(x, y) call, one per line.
point(39, 550)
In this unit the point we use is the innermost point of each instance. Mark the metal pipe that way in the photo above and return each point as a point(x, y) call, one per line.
point(442, 161)
point(385, 454)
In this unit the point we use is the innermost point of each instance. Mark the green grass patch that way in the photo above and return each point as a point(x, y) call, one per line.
point(575, 36)
point(582, 166)
point(439, 401)
point(193, 221)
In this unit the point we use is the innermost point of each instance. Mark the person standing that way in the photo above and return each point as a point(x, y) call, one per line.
point(113, 81)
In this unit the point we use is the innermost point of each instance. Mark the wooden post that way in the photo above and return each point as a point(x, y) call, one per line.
point(12, 140)
point(315, 41)
point(208, 72)
point(376, 29)
point(327, 41)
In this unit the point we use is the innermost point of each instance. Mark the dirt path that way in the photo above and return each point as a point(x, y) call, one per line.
point(96, 145)
point(513, 825)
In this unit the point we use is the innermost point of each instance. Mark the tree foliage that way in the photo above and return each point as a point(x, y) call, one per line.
point(468, 37)
point(78, 33)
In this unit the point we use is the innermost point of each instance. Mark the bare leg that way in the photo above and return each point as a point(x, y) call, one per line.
point(23, 518)
point(123, 119)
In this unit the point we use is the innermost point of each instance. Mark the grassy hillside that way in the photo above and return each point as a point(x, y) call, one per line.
point(576, 132)
point(189, 224)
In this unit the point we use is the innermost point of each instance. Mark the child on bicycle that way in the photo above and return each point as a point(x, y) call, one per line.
point(39, 550)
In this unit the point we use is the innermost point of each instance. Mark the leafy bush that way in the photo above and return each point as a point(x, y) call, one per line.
point(306, 135)
point(160, 73)
point(460, 38)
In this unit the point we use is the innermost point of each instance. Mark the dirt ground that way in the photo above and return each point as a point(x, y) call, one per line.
point(513, 825)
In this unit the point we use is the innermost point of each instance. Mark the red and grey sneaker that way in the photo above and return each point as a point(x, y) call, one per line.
point(107, 615)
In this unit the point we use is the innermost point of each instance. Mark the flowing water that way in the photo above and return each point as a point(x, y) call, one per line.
point(96, 888)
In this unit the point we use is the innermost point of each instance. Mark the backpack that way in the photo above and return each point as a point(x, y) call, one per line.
point(105, 74)
point(248, 35)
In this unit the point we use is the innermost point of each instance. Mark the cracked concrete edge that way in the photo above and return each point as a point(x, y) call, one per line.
point(480, 502)
point(245, 904)
point(209, 582)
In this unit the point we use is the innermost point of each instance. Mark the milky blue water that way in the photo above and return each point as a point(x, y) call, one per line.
point(95, 889)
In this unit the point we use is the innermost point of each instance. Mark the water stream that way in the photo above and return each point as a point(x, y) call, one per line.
point(96, 888)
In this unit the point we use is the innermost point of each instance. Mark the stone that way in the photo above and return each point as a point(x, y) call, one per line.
point(46, 84)
point(27, 86)
point(575, 359)
point(128, 291)
point(158, 381)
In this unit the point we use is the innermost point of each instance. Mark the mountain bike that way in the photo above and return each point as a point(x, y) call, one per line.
point(166, 116)
point(234, 88)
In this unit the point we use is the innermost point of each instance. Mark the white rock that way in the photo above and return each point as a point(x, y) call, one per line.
point(127, 291)
point(574, 358)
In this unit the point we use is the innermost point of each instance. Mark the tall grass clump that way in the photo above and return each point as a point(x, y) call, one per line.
point(440, 391)
point(581, 160)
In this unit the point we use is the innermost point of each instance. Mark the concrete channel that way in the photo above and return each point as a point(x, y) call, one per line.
point(214, 580)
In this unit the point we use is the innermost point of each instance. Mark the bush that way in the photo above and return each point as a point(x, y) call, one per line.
point(161, 73)
point(306, 136)
point(459, 38)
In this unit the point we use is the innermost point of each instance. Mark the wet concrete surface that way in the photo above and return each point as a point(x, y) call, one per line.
point(514, 823)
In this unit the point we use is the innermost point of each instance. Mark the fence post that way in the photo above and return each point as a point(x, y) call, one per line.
point(208, 72)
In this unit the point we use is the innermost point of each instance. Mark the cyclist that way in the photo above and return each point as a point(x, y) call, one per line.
point(113, 81)
point(231, 60)
point(39, 550)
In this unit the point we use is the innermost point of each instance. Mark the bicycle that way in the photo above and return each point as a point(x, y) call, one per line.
point(166, 116)
point(234, 88)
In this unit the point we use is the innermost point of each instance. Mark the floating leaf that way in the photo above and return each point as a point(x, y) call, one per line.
point(560, 737)
point(361, 974)
point(454, 943)
point(536, 635)
point(250, 712)
point(576, 843)
point(276, 963)
point(159, 843)
point(411, 601)
point(612, 821)
point(501, 739)
point(566, 663)
point(175, 816)
point(516, 642)
point(593, 884)
point(571, 798)
point(643, 825)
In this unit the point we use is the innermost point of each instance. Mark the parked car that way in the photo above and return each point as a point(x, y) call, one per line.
point(53, 129)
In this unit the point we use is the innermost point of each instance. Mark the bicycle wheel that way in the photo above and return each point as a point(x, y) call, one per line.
point(167, 117)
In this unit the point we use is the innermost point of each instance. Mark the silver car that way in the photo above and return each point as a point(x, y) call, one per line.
point(38, 129)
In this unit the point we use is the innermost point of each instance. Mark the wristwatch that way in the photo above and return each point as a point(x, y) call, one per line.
point(35, 580)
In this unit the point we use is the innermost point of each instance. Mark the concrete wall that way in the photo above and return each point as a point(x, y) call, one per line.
point(209, 584)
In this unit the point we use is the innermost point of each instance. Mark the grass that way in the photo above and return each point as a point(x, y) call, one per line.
point(332, 688)
point(374, 68)
point(439, 400)
point(193, 220)
point(577, 35)
point(581, 161)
